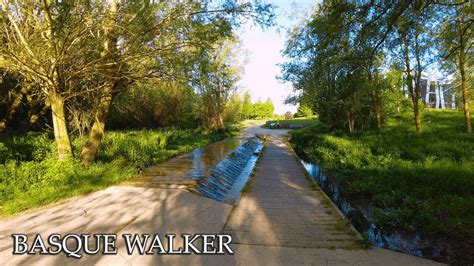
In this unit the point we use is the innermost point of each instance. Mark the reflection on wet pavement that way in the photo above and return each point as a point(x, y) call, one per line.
point(218, 171)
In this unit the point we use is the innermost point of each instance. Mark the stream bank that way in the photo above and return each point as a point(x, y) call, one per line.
point(360, 214)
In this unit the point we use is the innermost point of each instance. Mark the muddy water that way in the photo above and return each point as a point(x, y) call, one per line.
point(360, 215)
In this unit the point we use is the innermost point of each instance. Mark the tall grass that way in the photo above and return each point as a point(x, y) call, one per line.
point(417, 181)
point(30, 174)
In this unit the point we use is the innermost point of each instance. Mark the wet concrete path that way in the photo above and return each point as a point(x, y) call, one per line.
point(282, 210)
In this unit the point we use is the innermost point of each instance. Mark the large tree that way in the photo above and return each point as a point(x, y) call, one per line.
point(141, 39)
point(80, 54)
point(327, 67)
point(46, 43)
point(456, 43)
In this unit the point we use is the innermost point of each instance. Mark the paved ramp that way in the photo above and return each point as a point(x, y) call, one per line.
point(282, 210)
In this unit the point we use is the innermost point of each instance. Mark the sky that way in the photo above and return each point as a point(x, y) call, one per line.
point(263, 54)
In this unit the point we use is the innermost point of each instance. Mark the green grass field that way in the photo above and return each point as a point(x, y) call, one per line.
point(30, 174)
point(305, 121)
point(417, 181)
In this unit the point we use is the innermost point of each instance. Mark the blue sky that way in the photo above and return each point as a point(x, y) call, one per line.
point(263, 54)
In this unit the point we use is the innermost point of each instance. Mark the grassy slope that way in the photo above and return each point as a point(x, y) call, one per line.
point(306, 121)
point(31, 176)
point(417, 181)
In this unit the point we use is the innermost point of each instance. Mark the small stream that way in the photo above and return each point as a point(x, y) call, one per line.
point(360, 215)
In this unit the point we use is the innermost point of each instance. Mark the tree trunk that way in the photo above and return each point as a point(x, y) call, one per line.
point(411, 90)
point(350, 122)
point(109, 56)
point(465, 94)
point(375, 101)
point(60, 127)
point(416, 104)
point(417, 95)
point(219, 121)
point(464, 83)
point(89, 151)
point(219, 108)
point(416, 112)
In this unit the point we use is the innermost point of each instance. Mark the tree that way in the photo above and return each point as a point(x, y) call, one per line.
point(304, 111)
point(413, 40)
point(340, 56)
point(81, 54)
point(247, 105)
point(233, 109)
point(262, 109)
point(456, 46)
point(216, 82)
point(46, 43)
point(143, 40)
point(327, 66)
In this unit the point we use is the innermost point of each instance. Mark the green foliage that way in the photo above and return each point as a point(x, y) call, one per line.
point(234, 109)
point(337, 59)
point(239, 108)
point(30, 174)
point(329, 67)
point(298, 121)
point(161, 104)
point(174, 56)
point(365, 242)
point(32, 146)
point(392, 97)
point(421, 181)
point(304, 111)
point(246, 105)
point(262, 109)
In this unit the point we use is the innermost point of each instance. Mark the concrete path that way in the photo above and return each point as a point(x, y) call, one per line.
point(282, 210)
point(280, 222)
point(117, 210)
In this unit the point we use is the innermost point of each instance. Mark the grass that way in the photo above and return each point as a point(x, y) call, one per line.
point(305, 121)
point(417, 181)
point(30, 174)
point(364, 241)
